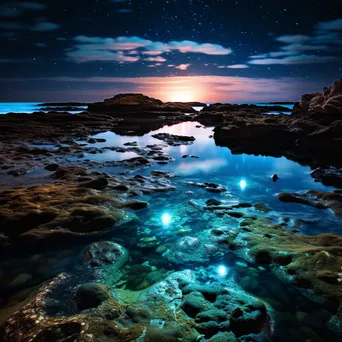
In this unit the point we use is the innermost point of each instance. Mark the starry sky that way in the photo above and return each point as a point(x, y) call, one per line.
point(175, 50)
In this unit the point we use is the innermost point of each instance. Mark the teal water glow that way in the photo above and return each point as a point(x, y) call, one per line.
point(26, 107)
point(30, 107)
point(171, 218)
point(247, 177)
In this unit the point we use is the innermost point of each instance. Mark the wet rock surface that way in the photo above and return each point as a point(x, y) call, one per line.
point(319, 200)
point(211, 264)
point(313, 126)
point(174, 140)
point(138, 102)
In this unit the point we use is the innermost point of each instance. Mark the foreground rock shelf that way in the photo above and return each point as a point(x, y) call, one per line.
point(239, 277)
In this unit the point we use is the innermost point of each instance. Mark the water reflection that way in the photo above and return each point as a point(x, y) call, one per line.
point(166, 219)
point(222, 270)
point(243, 184)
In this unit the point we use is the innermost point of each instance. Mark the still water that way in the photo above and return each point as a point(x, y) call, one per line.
point(30, 107)
point(27, 107)
point(169, 217)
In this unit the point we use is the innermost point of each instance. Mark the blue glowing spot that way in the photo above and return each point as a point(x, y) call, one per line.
point(243, 184)
point(222, 270)
point(166, 219)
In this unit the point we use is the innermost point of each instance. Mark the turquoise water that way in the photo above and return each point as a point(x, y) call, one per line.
point(25, 107)
point(173, 215)
point(247, 177)
point(30, 107)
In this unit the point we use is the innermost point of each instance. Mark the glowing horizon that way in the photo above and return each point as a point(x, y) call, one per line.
point(205, 88)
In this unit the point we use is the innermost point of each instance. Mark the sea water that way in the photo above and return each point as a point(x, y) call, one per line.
point(169, 216)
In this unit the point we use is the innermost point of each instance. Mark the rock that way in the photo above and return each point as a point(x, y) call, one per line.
point(91, 295)
point(99, 183)
point(52, 167)
point(165, 174)
point(211, 315)
point(227, 107)
point(247, 320)
point(174, 140)
point(189, 156)
point(313, 126)
point(262, 207)
point(190, 250)
point(169, 290)
point(133, 204)
point(138, 103)
point(209, 291)
point(211, 187)
point(328, 176)
point(235, 214)
point(105, 253)
point(55, 213)
point(193, 304)
point(275, 177)
point(214, 202)
point(319, 200)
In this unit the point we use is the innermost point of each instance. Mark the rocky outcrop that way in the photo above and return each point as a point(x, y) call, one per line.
point(310, 135)
point(319, 200)
point(178, 307)
point(329, 176)
point(138, 103)
point(227, 107)
point(174, 140)
point(327, 102)
point(55, 213)
point(50, 126)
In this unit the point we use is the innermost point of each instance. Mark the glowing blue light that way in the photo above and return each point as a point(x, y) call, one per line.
point(222, 270)
point(243, 184)
point(166, 219)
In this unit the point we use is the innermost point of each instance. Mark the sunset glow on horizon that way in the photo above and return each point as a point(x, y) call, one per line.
point(206, 51)
point(206, 88)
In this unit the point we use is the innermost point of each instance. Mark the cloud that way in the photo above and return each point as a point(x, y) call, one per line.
point(333, 25)
point(292, 60)
point(111, 44)
point(99, 55)
point(40, 26)
point(304, 47)
point(41, 44)
point(297, 38)
point(234, 66)
point(45, 26)
point(124, 10)
point(84, 44)
point(183, 66)
point(264, 55)
point(16, 8)
point(280, 54)
point(327, 36)
point(158, 59)
point(186, 46)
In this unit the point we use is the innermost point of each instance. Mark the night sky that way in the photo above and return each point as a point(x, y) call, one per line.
point(179, 50)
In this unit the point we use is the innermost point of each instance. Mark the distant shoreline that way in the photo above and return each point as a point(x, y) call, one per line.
point(281, 103)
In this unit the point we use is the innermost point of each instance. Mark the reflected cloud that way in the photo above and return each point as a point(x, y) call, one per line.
point(204, 166)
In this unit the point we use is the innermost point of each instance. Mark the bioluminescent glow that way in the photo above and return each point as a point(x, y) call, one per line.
point(222, 270)
point(166, 219)
point(243, 184)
